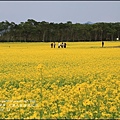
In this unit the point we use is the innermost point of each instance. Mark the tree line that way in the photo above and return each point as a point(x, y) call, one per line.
point(33, 31)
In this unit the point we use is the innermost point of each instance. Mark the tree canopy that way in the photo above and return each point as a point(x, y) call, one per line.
point(33, 31)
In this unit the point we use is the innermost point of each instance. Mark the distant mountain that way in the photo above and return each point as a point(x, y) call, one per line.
point(89, 22)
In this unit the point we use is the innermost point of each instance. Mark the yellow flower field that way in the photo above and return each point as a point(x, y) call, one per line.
point(80, 81)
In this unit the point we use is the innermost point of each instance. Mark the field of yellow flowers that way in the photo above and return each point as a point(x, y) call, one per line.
point(80, 81)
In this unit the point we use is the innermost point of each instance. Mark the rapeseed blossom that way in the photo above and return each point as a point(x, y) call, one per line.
point(77, 82)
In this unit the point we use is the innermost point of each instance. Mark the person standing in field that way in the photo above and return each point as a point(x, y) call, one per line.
point(51, 45)
point(54, 44)
point(64, 45)
point(59, 45)
point(102, 43)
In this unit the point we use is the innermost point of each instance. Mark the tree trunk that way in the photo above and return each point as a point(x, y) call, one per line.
point(43, 36)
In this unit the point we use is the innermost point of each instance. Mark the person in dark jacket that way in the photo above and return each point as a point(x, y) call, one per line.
point(102, 43)
point(64, 45)
point(51, 45)
point(54, 44)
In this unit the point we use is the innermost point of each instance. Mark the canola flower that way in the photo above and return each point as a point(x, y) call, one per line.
point(81, 81)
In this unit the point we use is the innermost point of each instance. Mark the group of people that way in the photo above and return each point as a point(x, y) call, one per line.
point(60, 45)
point(63, 45)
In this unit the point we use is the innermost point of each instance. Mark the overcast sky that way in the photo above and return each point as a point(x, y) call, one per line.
point(60, 11)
